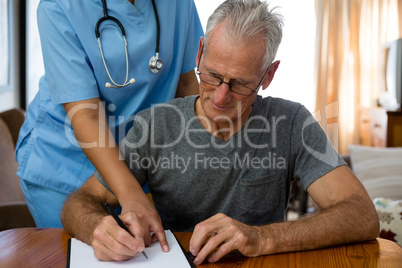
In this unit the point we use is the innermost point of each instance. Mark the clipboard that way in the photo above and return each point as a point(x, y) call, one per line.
point(80, 254)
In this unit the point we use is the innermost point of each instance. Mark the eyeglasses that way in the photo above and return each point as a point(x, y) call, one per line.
point(233, 86)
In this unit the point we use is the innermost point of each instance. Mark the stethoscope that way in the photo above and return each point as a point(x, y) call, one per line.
point(155, 63)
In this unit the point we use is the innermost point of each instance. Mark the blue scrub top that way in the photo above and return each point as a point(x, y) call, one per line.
point(47, 151)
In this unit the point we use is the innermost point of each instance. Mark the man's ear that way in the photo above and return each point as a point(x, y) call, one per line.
point(200, 46)
point(270, 74)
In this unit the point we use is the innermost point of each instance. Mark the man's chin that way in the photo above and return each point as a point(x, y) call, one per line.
point(222, 118)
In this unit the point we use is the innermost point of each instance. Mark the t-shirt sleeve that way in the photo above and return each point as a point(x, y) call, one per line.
point(313, 154)
point(195, 31)
point(68, 71)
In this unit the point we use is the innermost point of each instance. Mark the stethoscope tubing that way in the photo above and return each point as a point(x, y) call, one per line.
point(107, 17)
point(158, 27)
point(155, 64)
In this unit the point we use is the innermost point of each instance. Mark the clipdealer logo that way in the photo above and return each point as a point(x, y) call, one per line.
point(186, 132)
point(198, 160)
point(329, 157)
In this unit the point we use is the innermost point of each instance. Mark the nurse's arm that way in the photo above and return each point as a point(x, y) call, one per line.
point(188, 85)
point(90, 125)
point(91, 129)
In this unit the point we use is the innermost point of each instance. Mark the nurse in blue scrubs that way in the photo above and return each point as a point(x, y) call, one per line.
point(87, 96)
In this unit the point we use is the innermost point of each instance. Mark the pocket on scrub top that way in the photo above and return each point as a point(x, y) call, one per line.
point(22, 148)
point(55, 151)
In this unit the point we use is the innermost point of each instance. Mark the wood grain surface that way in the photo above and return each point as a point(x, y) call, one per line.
point(35, 247)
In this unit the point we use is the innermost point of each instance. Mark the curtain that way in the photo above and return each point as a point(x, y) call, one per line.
point(349, 48)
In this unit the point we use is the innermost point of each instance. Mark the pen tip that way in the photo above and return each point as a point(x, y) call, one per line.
point(145, 255)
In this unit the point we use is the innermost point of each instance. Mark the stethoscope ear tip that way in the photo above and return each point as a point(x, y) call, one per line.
point(108, 85)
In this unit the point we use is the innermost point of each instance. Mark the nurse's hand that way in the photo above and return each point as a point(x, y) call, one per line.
point(142, 218)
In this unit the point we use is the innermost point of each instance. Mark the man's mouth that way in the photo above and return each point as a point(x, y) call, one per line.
point(217, 107)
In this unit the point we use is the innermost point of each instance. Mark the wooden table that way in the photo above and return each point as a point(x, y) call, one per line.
point(35, 247)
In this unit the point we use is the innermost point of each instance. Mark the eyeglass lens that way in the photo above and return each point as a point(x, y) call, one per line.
point(216, 81)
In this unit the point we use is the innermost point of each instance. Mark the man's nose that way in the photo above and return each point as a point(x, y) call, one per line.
point(222, 93)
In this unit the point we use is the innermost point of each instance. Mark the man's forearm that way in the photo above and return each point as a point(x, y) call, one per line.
point(335, 225)
point(81, 214)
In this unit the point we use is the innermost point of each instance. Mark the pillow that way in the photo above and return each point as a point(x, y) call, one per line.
point(390, 216)
point(379, 170)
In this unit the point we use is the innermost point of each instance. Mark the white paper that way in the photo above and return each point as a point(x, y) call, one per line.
point(82, 255)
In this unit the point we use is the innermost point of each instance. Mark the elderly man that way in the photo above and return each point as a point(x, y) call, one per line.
point(221, 164)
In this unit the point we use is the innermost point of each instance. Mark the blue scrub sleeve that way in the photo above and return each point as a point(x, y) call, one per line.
point(68, 71)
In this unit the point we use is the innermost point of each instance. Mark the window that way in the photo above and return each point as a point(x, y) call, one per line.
point(4, 45)
point(35, 67)
point(9, 54)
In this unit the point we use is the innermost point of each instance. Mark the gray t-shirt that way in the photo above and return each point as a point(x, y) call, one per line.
point(193, 175)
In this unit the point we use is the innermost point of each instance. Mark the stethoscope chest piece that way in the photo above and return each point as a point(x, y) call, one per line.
point(155, 63)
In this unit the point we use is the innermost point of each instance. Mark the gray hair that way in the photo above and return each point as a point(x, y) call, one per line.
point(247, 19)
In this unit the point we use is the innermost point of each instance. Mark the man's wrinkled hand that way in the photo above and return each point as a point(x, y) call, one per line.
point(111, 242)
point(220, 234)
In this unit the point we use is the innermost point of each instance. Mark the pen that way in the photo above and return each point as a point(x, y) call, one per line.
point(120, 223)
